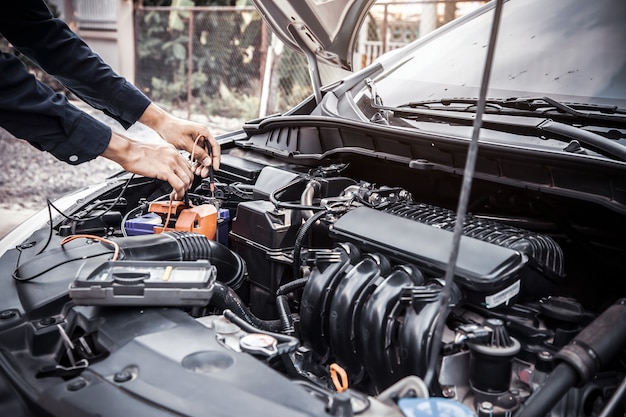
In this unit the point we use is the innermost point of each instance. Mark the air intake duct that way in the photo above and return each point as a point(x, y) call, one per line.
point(168, 246)
point(185, 246)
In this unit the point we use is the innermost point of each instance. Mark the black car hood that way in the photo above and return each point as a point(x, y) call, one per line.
point(327, 27)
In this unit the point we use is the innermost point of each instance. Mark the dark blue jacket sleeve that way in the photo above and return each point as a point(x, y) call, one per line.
point(33, 112)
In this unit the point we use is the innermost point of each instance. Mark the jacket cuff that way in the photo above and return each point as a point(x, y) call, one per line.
point(129, 104)
point(86, 140)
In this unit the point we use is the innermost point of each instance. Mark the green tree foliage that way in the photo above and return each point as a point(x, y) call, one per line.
point(222, 49)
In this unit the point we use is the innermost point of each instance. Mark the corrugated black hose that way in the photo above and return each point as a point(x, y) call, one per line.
point(225, 298)
point(302, 233)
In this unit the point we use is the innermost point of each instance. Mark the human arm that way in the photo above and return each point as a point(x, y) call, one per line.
point(32, 111)
point(154, 160)
point(52, 45)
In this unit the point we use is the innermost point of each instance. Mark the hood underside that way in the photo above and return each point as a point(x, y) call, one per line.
point(328, 28)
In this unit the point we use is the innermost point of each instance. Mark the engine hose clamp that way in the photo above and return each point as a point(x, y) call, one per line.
point(339, 377)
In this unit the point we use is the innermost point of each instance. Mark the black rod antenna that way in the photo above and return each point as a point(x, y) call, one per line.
point(461, 211)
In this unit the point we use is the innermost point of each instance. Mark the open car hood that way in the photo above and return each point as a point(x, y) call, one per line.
point(326, 27)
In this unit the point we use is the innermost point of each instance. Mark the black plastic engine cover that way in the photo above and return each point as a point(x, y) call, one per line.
point(490, 275)
point(163, 362)
point(541, 249)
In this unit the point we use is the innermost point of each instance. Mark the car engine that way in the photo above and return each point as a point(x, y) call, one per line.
point(313, 290)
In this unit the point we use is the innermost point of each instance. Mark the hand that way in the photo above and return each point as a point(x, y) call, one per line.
point(152, 160)
point(183, 134)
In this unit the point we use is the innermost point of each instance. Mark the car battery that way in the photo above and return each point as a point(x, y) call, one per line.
point(223, 226)
point(143, 225)
point(202, 219)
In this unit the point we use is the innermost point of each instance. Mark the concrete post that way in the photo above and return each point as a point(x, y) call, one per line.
point(428, 20)
point(126, 39)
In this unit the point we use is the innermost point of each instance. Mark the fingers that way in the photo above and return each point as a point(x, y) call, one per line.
point(200, 170)
point(206, 141)
point(215, 153)
point(166, 163)
point(178, 186)
point(180, 177)
point(183, 134)
point(162, 161)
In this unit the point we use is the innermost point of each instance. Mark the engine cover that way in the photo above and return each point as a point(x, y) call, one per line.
point(490, 275)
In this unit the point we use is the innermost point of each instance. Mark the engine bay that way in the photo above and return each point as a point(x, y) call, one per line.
point(314, 290)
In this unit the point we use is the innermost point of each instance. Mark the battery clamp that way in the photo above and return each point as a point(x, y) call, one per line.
point(198, 219)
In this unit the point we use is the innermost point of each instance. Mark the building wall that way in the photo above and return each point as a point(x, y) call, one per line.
point(107, 27)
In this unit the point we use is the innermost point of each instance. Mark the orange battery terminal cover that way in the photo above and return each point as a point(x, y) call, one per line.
point(163, 207)
point(199, 219)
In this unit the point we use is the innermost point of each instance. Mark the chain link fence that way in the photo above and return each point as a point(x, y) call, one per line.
point(209, 62)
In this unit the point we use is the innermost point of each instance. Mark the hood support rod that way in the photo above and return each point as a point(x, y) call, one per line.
point(298, 32)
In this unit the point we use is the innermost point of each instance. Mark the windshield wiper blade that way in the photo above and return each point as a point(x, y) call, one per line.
point(560, 131)
point(531, 106)
point(594, 140)
point(537, 126)
point(576, 109)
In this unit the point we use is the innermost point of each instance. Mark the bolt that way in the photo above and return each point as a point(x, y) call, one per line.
point(495, 322)
point(7, 314)
point(122, 376)
point(47, 321)
point(448, 391)
point(545, 355)
point(77, 384)
point(486, 406)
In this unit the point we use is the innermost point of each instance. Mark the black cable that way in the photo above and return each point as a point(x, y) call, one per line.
point(302, 233)
point(79, 219)
point(288, 344)
point(284, 314)
point(49, 232)
point(291, 286)
point(225, 298)
point(613, 402)
point(280, 204)
point(17, 278)
point(282, 303)
point(50, 206)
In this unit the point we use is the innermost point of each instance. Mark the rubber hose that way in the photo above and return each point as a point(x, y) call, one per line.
point(186, 246)
point(290, 287)
point(284, 312)
point(288, 344)
point(594, 348)
point(550, 392)
point(224, 298)
point(297, 246)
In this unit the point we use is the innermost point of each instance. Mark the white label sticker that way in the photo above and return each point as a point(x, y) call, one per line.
point(503, 296)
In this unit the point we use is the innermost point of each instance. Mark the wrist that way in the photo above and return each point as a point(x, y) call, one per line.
point(153, 117)
point(119, 149)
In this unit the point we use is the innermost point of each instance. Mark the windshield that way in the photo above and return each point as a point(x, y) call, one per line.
point(572, 50)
